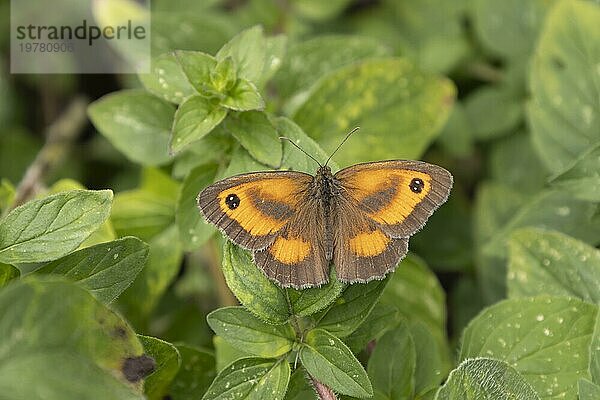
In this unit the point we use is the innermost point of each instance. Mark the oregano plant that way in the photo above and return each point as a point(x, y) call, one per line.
point(113, 285)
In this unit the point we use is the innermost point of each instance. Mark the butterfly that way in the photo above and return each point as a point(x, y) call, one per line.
point(296, 224)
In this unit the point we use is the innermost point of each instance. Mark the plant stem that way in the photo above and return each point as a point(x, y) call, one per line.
point(323, 392)
point(59, 137)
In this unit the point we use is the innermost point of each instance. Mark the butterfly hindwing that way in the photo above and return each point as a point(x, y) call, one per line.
point(379, 207)
point(250, 209)
point(398, 195)
point(297, 257)
point(362, 250)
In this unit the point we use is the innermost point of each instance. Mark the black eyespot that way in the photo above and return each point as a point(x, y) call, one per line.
point(232, 201)
point(417, 185)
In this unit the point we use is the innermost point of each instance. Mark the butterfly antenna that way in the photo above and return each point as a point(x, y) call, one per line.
point(300, 148)
point(341, 144)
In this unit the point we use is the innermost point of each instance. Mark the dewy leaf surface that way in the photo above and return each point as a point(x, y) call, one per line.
point(47, 229)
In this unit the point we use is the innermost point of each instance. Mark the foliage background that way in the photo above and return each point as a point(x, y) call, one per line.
point(506, 95)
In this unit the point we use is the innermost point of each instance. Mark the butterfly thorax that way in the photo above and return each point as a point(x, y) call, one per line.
point(325, 185)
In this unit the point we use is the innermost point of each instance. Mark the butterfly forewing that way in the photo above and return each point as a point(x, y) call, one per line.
point(380, 205)
point(398, 195)
point(251, 209)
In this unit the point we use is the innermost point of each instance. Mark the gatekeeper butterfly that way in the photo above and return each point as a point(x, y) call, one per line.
point(296, 224)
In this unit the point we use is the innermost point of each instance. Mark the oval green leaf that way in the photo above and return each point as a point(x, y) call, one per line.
point(546, 339)
point(247, 333)
point(137, 123)
point(359, 95)
point(98, 353)
point(486, 379)
point(168, 362)
point(47, 229)
point(251, 379)
point(106, 269)
point(252, 288)
point(564, 113)
point(193, 229)
point(327, 359)
point(548, 262)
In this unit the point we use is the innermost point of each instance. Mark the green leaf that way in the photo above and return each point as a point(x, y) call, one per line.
point(137, 123)
point(595, 353)
point(55, 330)
point(328, 360)
point(180, 28)
point(359, 95)
point(588, 390)
point(382, 318)
point(299, 389)
point(546, 339)
point(248, 51)
point(195, 375)
point(168, 362)
point(457, 135)
point(251, 378)
point(293, 158)
point(244, 331)
point(164, 261)
point(7, 274)
point(352, 307)
point(419, 296)
point(106, 269)
point(486, 379)
point(7, 195)
point(223, 75)
point(432, 360)
point(493, 111)
point(309, 60)
point(320, 10)
point(142, 213)
point(564, 113)
point(516, 35)
point(252, 288)
point(167, 79)
point(243, 96)
point(275, 52)
point(257, 135)
point(548, 262)
point(47, 229)
point(450, 228)
point(549, 209)
point(194, 119)
point(308, 301)
point(392, 364)
point(225, 353)
point(105, 233)
point(215, 147)
point(61, 375)
point(429, 32)
point(197, 67)
point(242, 162)
point(148, 210)
point(582, 177)
point(512, 155)
point(193, 229)
point(495, 205)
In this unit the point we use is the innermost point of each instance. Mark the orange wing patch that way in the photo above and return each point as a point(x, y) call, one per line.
point(369, 244)
point(389, 196)
point(290, 251)
point(260, 207)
